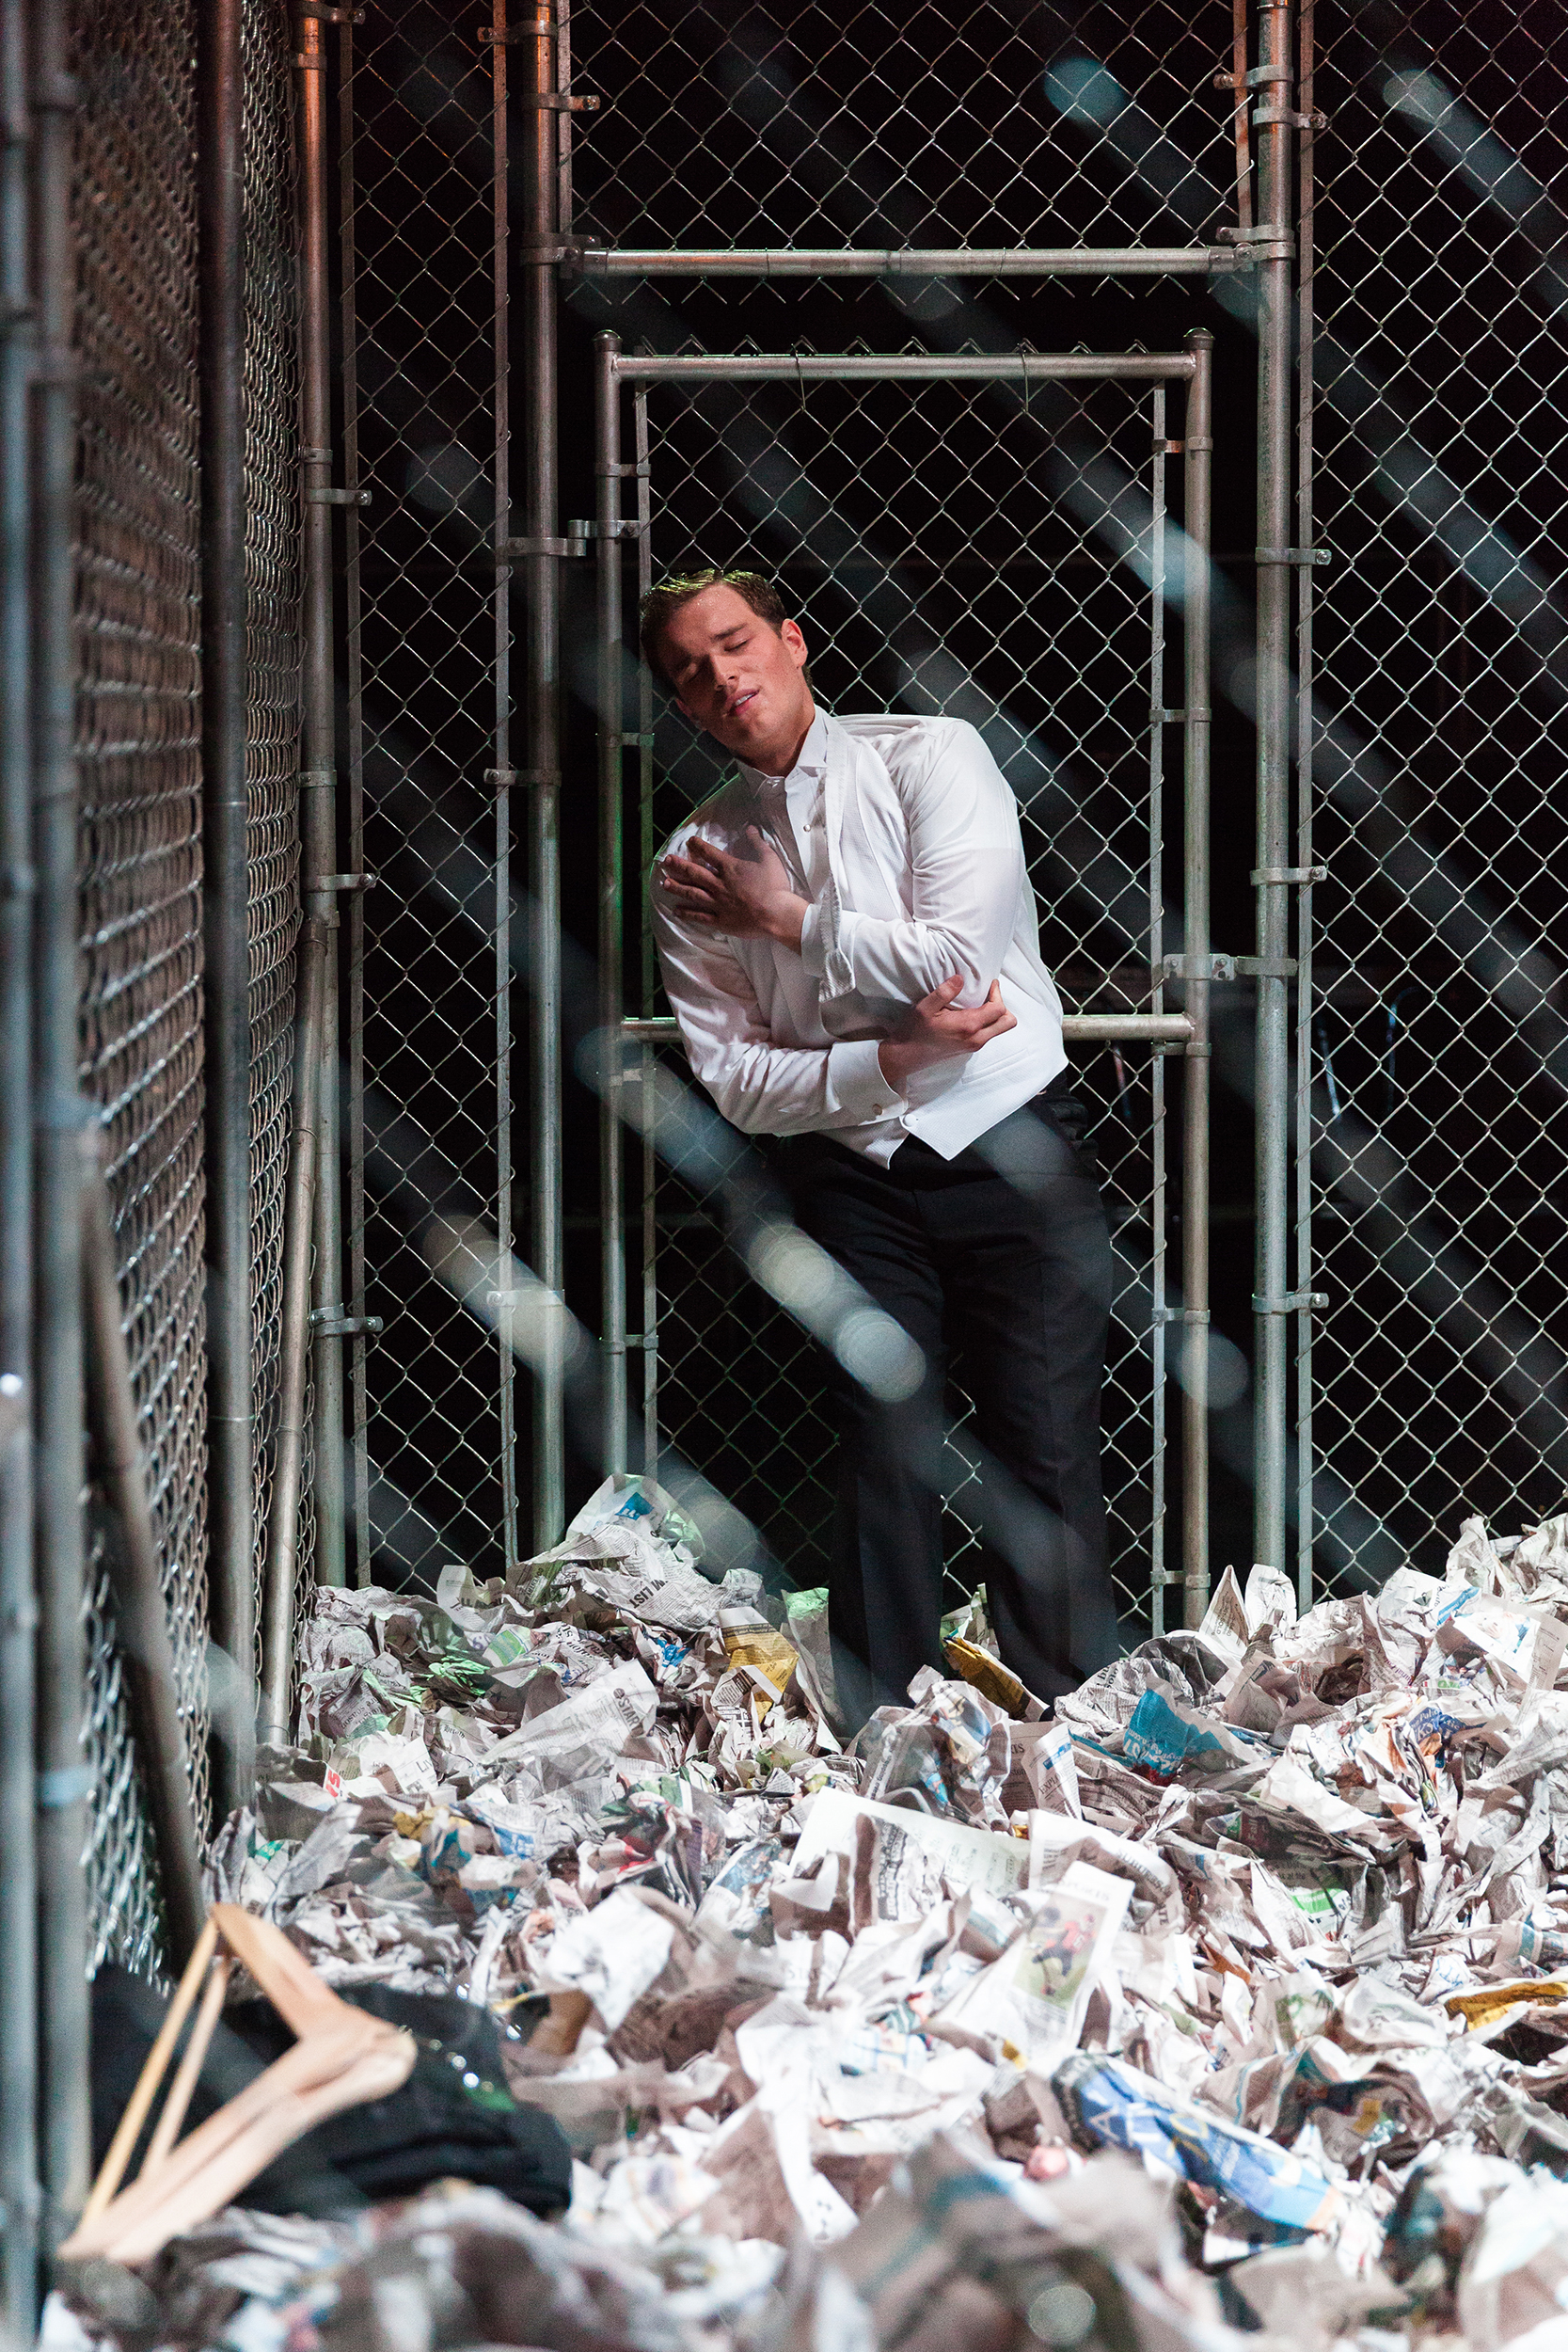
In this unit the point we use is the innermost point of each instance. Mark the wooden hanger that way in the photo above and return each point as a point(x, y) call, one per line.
point(341, 2058)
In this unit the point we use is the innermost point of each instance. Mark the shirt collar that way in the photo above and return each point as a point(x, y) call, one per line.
point(812, 762)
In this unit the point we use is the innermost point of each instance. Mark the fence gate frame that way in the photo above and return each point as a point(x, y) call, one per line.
point(638, 1037)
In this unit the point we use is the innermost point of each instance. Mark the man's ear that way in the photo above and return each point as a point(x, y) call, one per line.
point(790, 632)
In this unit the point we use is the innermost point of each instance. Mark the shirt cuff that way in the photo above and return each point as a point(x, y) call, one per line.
point(856, 1083)
point(814, 950)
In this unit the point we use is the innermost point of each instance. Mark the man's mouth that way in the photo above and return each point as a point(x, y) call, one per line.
point(741, 700)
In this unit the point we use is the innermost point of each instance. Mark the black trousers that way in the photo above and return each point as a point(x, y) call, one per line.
point(998, 1264)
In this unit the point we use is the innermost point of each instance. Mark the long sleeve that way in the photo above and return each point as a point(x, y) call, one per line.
point(967, 871)
point(762, 1088)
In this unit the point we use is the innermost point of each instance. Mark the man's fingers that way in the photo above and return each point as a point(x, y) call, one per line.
point(941, 996)
point(680, 872)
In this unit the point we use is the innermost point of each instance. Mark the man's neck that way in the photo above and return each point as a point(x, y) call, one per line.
point(779, 763)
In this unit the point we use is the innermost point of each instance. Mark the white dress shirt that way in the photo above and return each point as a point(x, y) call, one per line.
point(903, 834)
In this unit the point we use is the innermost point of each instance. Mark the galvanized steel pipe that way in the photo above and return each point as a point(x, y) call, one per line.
point(318, 783)
point(19, 2181)
point(765, 262)
point(63, 1122)
point(541, 573)
point(1198, 470)
point(809, 367)
point(294, 1346)
point(612, 1246)
point(225, 878)
point(1273, 1076)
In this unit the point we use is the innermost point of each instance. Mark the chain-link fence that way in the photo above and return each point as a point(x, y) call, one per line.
point(436, 1071)
point(139, 745)
point(138, 521)
point(944, 545)
point(925, 126)
point(272, 720)
point(701, 118)
point(1439, 1184)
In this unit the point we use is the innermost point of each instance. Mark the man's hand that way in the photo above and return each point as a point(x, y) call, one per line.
point(934, 1030)
point(746, 898)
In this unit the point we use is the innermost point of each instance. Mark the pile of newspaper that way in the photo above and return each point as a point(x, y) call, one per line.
point(1225, 1999)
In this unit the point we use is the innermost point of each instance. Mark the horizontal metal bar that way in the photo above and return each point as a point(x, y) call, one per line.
point(1078, 1028)
point(1068, 261)
point(1287, 877)
point(815, 366)
point(1294, 1303)
point(1127, 1028)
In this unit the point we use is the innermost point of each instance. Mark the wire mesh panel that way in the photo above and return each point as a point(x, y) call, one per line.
point(945, 546)
point(272, 723)
point(138, 520)
point(931, 125)
point(423, 232)
point(1440, 1168)
point(139, 743)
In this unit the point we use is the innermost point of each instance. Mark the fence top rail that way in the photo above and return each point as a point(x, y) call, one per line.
point(815, 366)
point(1071, 261)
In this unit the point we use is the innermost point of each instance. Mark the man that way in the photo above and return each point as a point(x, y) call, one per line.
point(850, 944)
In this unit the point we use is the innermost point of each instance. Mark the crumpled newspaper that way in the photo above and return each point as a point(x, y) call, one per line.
point(1237, 1995)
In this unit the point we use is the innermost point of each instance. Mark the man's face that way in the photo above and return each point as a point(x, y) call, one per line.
point(740, 678)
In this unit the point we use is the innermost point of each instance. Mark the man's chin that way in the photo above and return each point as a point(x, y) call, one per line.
point(743, 742)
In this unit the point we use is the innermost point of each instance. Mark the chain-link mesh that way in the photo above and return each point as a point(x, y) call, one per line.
point(1440, 1179)
point(139, 744)
point(932, 125)
point(138, 520)
point(944, 547)
point(423, 232)
point(272, 482)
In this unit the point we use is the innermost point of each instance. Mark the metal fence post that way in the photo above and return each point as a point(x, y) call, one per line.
point(506, 1361)
point(61, 1117)
point(19, 2183)
point(353, 973)
point(612, 1249)
point(543, 551)
point(226, 879)
point(1198, 436)
point(312, 1163)
point(318, 789)
point(1272, 127)
point(1305, 531)
point(294, 1345)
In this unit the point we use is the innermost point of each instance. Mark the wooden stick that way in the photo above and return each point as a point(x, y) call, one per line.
point(183, 2083)
point(151, 2076)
